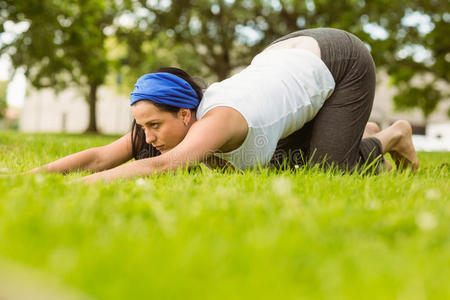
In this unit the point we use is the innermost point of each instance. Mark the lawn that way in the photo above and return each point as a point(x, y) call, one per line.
point(209, 235)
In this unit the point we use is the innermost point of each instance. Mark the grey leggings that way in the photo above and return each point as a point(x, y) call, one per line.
point(333, 137)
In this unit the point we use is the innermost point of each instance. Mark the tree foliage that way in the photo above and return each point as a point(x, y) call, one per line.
point(64, 43)
point(415, 28)
point(66, 40)
point(226, 34)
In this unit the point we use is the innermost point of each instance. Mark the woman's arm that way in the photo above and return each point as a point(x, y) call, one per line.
point(205, 137)
point(93, 159)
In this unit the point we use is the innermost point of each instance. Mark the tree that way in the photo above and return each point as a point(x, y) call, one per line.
point(225, 35)
point(66, 40)
point(416, 51)
point(63, 45)
point(203, 33)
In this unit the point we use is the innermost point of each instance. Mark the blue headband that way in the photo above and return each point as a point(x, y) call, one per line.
point(164, 88)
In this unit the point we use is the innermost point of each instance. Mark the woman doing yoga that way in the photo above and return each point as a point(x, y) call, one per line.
point(306, 97)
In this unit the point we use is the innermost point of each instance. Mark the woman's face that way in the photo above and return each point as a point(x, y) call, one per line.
point(163, 130)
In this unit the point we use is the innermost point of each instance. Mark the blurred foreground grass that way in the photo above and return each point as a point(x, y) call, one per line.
point(264, 235)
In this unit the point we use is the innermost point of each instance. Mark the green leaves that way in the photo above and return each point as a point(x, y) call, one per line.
point(66, 40)
point(64, 44)
point(426, 98)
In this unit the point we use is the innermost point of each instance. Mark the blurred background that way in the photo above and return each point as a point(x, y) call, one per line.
point(69, 65)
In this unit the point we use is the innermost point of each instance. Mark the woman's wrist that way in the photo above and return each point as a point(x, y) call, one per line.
point(35, 170)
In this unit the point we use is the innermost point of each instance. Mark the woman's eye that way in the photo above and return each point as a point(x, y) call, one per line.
point(154, 126)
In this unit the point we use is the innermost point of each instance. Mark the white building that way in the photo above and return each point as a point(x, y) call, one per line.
point(68, 111)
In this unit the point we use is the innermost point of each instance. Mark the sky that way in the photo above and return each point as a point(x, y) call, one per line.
point(17, 86)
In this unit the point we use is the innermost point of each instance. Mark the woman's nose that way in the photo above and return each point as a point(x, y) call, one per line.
point(149, 137)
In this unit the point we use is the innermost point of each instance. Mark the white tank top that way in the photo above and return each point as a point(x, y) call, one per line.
point(277, 94)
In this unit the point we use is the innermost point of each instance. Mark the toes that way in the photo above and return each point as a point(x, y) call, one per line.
point(403, 152)
point(402, 162)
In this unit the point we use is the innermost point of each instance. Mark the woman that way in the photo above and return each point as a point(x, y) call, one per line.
point(308, 95)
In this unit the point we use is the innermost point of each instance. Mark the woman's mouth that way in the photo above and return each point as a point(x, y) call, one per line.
point(159, 148)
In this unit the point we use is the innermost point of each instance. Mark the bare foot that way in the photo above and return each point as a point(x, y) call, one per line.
point(402, 151)
point(370, 130)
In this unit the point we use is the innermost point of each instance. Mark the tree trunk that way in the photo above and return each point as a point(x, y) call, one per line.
point(222, 73)
point(223, 66)
point(92, 101)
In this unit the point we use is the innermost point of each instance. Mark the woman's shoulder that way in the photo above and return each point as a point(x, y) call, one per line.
point(229, 121)
point(226, 115)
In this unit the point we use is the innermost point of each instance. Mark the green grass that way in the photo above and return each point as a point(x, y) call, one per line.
point(260, 235)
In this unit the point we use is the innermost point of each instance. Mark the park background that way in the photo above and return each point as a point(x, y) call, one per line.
point(68, 66)
point(73, 63)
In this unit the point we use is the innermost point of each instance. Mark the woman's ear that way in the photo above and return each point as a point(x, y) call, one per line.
point(185, 115)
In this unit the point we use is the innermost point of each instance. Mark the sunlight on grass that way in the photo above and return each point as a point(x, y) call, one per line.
point(207, 234)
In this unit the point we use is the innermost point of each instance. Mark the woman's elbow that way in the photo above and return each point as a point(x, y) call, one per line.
point(95, 161)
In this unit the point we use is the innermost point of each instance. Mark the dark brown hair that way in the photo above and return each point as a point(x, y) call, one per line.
point(139, 146)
